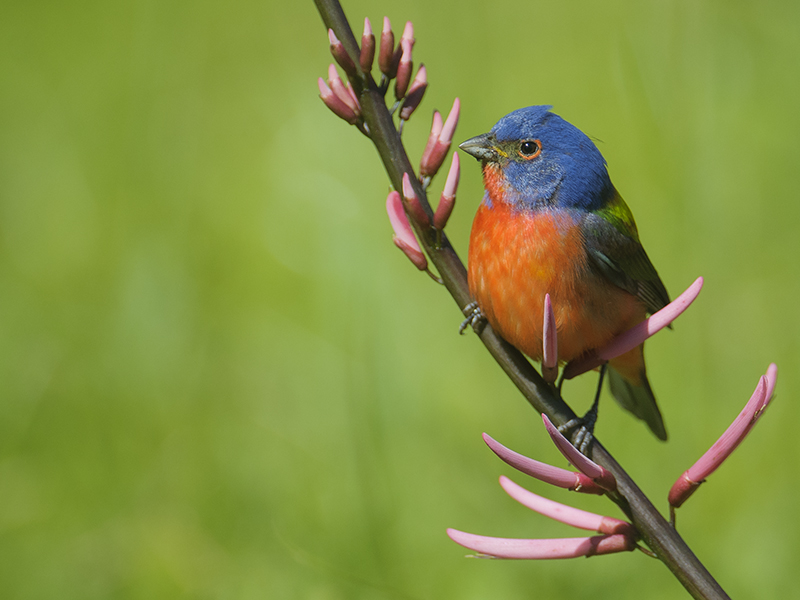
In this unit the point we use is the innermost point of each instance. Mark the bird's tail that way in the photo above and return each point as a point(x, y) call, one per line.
point(629, 386)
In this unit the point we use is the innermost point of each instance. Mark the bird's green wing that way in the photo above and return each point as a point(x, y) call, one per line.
point(612, 242)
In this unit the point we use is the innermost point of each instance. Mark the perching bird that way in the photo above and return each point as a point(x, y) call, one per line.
point(551, 222)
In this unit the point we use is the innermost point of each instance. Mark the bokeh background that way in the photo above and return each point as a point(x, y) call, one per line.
point(218, 377)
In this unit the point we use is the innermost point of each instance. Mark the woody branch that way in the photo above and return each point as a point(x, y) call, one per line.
point(659, 535)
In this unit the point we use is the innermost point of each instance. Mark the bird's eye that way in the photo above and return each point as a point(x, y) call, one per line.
point(530, 149)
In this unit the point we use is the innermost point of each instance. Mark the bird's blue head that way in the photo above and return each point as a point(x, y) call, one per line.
point(534, 158)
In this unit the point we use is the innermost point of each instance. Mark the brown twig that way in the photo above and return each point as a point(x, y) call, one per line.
point(659, 535)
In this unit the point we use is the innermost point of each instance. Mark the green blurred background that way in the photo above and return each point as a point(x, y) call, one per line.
point(218, 377)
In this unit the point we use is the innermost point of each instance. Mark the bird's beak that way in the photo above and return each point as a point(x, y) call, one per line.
point(481, 147)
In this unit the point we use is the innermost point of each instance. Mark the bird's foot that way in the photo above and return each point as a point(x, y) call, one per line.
point(583, 428)
point(475, 318)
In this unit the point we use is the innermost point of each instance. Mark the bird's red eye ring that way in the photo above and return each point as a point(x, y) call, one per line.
point(530, 149)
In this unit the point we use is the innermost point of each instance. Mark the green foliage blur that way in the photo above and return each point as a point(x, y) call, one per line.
point(219, 378)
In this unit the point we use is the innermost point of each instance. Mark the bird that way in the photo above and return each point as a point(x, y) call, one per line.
point(551, 222)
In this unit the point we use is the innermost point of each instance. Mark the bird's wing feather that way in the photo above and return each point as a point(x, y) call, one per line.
point(620, 257)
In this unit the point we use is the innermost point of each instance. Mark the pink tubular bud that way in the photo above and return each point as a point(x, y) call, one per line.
point(591, 469)
point(543, 549)
point(569, 480)
point(443, 211)
point(636, 335)
point(415, 256)
point(772, 378)
point(432, 159)
point(727, 443)
point(450, 124)
point(408, 33)
point(413, 203)
point(566, 514)
point(451, 185)
point(399, 220)
point(398, 54)
point(351, 92)
point(336, 104)
point(404, 70)
point(415, 93)
point(549, 343)
point(386, 51)
point(341, 56)
point(404, 237)
point(681, 490)
point(407, 39)
point(733, 435)
point(367, 47)
point(436, 129)
point(341, 91)
point(448, 198)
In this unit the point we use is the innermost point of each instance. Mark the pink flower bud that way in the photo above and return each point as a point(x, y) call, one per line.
point(415, 93)
point(436, 129)
point(414, 255)
point(728, 441)
point(398, 54)
point(566, 514)
point(404, 237)
point(543, 549)
point(549, 343)
point(636, 335)
point(408, 33)
point(352, 94)
point(404, 70)
point(451, 184)
point(413, 203)
point(432, 159)
point(407, 39)
point(336, 104)
point(618, 536)
point(450, 124)
point(443, 211)
point(448, 199)
point(367, 47)
point(341, 56)
point(386, 51)
point(577, 482)
point(772, 379)
point(341, 91)
point(591, 469)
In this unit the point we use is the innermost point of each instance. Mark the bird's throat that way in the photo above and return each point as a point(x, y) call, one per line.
point(495, 183)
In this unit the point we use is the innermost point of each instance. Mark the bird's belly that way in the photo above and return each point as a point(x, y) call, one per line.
point(516, 257)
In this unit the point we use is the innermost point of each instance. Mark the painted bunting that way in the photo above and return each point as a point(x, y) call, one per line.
point(551, 222)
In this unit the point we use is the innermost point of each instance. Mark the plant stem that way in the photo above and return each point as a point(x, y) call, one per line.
point(659, 535)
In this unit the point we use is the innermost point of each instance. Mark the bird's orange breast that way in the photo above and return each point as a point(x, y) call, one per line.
point(517, 256)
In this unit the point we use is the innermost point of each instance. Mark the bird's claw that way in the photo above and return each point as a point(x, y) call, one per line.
point(584, 430)
point(475, 318)
point(584, 426)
